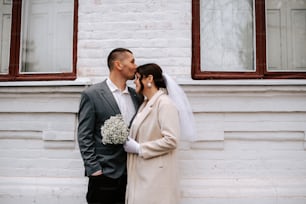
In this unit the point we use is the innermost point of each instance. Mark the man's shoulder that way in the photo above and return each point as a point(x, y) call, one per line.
point(95, 87)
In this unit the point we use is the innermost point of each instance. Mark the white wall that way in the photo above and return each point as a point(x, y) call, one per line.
point(155, 30)
point(252, 147)
point(251, 133)
point(40, 161)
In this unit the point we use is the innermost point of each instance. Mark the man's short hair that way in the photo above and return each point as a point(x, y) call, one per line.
point(114, 55)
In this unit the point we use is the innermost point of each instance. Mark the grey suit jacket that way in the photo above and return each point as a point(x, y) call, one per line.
point(97, 105)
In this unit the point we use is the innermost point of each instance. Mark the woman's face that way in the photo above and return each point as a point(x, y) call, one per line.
point(137, 83)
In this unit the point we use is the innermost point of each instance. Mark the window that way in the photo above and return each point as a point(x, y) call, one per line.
point(245, 39)
point(38, 39)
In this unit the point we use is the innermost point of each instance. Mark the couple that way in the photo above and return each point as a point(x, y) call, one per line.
point(143, 169)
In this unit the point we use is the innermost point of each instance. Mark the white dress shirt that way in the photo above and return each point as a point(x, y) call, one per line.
point(124, 101)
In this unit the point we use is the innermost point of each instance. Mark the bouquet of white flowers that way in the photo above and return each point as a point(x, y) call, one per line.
point(114, 130)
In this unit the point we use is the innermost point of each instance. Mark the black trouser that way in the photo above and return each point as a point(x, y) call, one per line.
point(105, 190)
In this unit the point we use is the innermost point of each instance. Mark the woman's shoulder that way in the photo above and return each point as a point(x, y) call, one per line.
point(165, 100)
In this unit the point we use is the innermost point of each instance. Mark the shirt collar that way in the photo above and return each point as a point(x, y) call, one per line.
point(114, 88)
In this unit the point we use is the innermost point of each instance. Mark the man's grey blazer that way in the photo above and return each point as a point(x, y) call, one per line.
point(97, 105)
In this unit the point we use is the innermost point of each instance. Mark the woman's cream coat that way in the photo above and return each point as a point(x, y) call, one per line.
point(153, 174)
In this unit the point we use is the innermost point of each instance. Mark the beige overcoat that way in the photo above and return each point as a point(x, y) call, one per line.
point(153, 174)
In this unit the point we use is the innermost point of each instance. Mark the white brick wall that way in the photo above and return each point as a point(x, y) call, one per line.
point(252, 147)
point(251, 134)
point(39, 156)
point(155, 30)
point(249, 149)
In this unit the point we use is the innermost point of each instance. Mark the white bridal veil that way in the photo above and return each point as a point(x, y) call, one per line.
point(187, 122)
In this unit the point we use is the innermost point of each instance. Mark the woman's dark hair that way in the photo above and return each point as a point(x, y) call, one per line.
point(154, 70)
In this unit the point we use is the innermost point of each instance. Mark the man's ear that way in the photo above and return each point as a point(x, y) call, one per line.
point(118, 64)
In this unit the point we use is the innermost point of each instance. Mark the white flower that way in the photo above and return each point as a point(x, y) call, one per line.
point(114, 130)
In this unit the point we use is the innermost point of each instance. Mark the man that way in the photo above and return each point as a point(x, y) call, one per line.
point(105, 165)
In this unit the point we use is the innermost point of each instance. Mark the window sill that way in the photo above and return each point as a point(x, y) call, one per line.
point(77, 82)
point(251, 82)
point(181, 81)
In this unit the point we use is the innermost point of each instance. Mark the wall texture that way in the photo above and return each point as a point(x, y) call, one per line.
point(250, 148)
point(251, 134)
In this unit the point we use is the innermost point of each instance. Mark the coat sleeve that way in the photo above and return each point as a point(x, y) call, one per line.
point(168, 120)
point(86, 139)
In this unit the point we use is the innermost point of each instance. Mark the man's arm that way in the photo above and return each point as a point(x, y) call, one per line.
point(86, 138)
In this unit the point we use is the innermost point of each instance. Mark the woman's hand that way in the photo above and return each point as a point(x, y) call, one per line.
point(131, 146)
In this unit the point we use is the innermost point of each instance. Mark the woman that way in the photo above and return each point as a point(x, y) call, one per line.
point(152, 146)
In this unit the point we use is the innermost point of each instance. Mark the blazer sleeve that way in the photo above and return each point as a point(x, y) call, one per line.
point(86, 139)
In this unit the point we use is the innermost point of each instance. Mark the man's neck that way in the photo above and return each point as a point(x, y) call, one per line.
point(119, 82)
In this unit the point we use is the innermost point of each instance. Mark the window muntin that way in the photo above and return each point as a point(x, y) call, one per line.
point(272, 59)
point(227, 35)
point(47, 30)
point(286, 35)
point(5, 34)
point(43, 40)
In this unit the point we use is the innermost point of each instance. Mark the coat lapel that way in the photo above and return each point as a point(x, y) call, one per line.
point(135, 98)
point(109, 98)
point(143, 112)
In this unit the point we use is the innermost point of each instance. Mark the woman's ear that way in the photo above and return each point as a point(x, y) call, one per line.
point(150, 78)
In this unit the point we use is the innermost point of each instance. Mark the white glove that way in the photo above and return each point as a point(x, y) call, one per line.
point(131, 146)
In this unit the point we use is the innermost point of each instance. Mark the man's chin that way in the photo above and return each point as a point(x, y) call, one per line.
point(132, 78)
